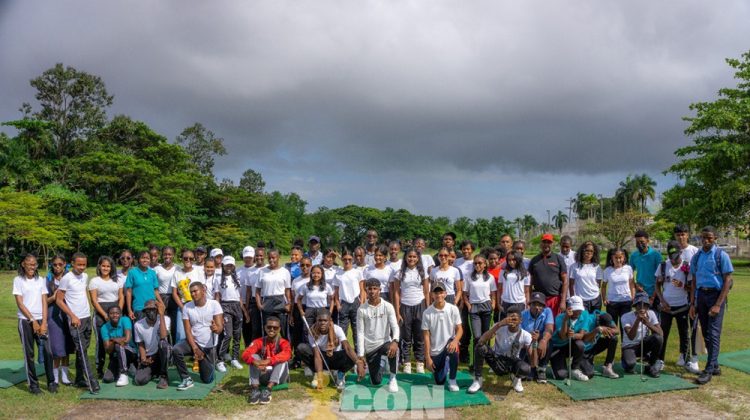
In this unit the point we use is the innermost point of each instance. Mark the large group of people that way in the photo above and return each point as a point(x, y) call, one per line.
point(556, 310)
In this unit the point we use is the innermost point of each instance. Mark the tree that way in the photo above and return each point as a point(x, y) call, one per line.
point(74, 102)
point(619, 228)
point(252, 182)
point(202, 146)
point(714, 169)
point(559, 220)
point(624, 194)
point(643, 189)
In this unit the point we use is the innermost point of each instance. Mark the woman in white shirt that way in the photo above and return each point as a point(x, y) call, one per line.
point(227, 292)
point(479, 298)
point(411, 298)
point(381, 271)
point(586, 276)
point(618, 284)
point(449, 275)
point(514, 286)
point(314, 296)
point(105, 292)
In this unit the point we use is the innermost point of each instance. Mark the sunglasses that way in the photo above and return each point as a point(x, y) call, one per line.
point(126, 258)
point(188, 259)
point(272, 327)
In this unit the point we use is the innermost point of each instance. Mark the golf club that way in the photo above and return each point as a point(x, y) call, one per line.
point(84, 362)
point(570, 357)
point(643, 356)
point(315, 346)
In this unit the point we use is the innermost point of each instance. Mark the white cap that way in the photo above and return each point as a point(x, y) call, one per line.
point(215, 252)
point(228, 260)
point(575, 303)
point(248, 251)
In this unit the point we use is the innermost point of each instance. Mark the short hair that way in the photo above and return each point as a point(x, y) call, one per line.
point(640, 233)
point(566, 238)
point(272, 319)
point(451, 234)
point(196, 283)
point(78, 255)
point(372, 282)
point(467, 242)
point(324, 312)
point(513, 310)
point(709, 229)
point(115, 308)
point(681, 228)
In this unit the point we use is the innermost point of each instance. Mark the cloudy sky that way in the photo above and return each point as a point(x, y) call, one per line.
point(472, 108)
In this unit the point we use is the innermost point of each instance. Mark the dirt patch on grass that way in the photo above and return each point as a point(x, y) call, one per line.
point(91, 410)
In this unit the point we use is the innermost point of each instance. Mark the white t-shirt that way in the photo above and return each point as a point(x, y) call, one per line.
point(274, 282)
point(570, 259)
point(331, 273)
point(412, 291)
point(31, 290)
point(586, 277)
point(514, 288)
point(480, 290)
point(75, 293)
point(315, 298)
point(210, 281)
point(149, 335)
point(181, 281)
point(449, 277)
point(395, 265)
point(427, 264)
point(466, 267)
point(242, 273)
point(441, 323)
point(384, 276)
point(674, 291)
point(121, 277)
point(618, 288)
point(688, 252)
point(298, 283)
point(107, 291)
point(251, 279)
point(504, 340)
point(165, 278)
point(231, 293)
point(348, 283)
point(628, 320)
point(376, 325)
point(322, 341)
point(200, 318)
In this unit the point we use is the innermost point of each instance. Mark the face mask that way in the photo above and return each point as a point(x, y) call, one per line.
point(151, 315)
point(642, 247)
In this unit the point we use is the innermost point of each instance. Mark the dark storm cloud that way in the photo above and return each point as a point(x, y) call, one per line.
point(476, 89)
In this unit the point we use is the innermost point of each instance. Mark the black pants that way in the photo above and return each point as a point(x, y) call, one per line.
point(651, 349)
point(232, 330)
point(28, 338)
point(710, 325)
point(348, 315)
point(101, 355)
point(602, 343)
point(274, 306)
point(297, 330)
point(411, 332)
point(206, 364)
point(617, 310)
point(158, 367)
point(559, 357)
point(338, 361)
point(120, 360)
point(446, 365)
point(463, 345)
point(81, 339)
point(373, 363)
point(593, 304)
point(500, 364)
point(687, 341)
point(255, 326)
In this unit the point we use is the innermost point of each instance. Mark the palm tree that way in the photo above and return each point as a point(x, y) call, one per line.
point(559, 220)
point(624, 194)
point(643, 189)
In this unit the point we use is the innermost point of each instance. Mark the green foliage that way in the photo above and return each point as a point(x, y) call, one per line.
point(202, 145)
point(252, 182)
point(618, 230)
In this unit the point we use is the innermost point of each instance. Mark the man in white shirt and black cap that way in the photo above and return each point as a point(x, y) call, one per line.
point(313, 250)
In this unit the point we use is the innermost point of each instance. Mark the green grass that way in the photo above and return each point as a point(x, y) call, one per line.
point(230, 397)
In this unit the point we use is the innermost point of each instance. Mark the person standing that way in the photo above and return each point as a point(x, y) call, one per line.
point(712, 269)
point(410, 290)
point(141, 285)
point(449, 242)
point(566, 250)
point(313, 250)
point(105, 292)
point(549, 275)
point(273, 293)
point(181, 282)
point(645, 260)
point(60, 341)
point(227, 293)
point(586, 275)
point(348, 293)
point(371, 245)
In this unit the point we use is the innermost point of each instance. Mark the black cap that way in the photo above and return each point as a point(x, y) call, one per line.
point(539, 298)
point(439, 286)
point(673, 247)
point(200, 248)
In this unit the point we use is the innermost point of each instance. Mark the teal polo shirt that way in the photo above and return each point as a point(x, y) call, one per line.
point(109, 331)
point(142, 284)
point(645, 266)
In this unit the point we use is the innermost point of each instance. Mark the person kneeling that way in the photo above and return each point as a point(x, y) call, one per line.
point(505, 357)
point(572, 329)
point(328, 340)
point(117, 336)
point(154, 350)
point(268, 359)
point(441, 326)
point(642, 336)
point(603, 336)
point(377, 336)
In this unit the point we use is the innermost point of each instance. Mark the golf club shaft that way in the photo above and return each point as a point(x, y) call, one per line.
point(315, 346)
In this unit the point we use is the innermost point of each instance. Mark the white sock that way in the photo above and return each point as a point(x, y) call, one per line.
point(56, 374)
point(65, 374)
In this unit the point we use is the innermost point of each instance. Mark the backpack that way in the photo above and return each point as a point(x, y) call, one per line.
point(717, 261)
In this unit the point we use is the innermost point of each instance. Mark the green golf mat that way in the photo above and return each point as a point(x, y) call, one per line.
point(739, 360)
point(627, 384)
point(13, 372)
point(416, 391)
point(149, 392)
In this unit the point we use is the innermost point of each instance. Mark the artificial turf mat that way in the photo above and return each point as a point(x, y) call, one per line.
point(739, 360)
point(149, 392)
point(627, 384)
point(416, 391)
point(13, 372)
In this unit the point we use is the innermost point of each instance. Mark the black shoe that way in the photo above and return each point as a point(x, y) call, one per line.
point(716, 372)
point(254, 396)
point(52, 388)
point(35, 390)
point(265, 396)
point(703, 378)
point(108, 377)
point(81, 384)
point(95, 389)
point(652, 371)
point(541, 375)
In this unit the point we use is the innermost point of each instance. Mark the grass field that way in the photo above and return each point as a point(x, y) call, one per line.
point(726, 396)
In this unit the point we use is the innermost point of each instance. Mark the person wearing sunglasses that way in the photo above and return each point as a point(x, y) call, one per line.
point(181, 282)
point(268, 358)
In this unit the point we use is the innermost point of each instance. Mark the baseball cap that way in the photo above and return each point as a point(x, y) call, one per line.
point(216, 251)
point(200, 248)
point(150, 304)
point(538, 297)
point(548, 237)
point(314, 238)
point(673, 249)
point(640, 298)
point(575, 303)
point(227, 260)
point(439, 286)
point(248, 251)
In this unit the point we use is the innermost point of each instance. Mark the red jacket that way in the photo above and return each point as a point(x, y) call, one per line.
point(283, 355)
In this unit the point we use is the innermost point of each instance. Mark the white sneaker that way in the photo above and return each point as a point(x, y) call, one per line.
point(475, 386)
point(308, 372)
point(236, 364)
point(407, 367)
point(517, 386)
point(692, 365)
point(221, 367)
point(122, 380)
point(681, 360)
point(314, 382)
point(452, 385)
point(579, 376)
point(420, 367)
point(608, 372)
point(659, 365)
point(393, 385)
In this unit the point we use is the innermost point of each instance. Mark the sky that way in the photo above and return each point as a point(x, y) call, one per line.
point(443, 108)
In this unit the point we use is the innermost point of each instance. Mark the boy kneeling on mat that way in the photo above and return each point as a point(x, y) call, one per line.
point(327, 347)
point(441, 325)
point(642, 336)
point(377, 336)
point(505, 356)
point(268, 359)
point(154, 350)
point(117, 336)
point(572, 329)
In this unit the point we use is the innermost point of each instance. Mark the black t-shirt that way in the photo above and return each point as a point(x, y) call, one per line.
point(546, 274)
